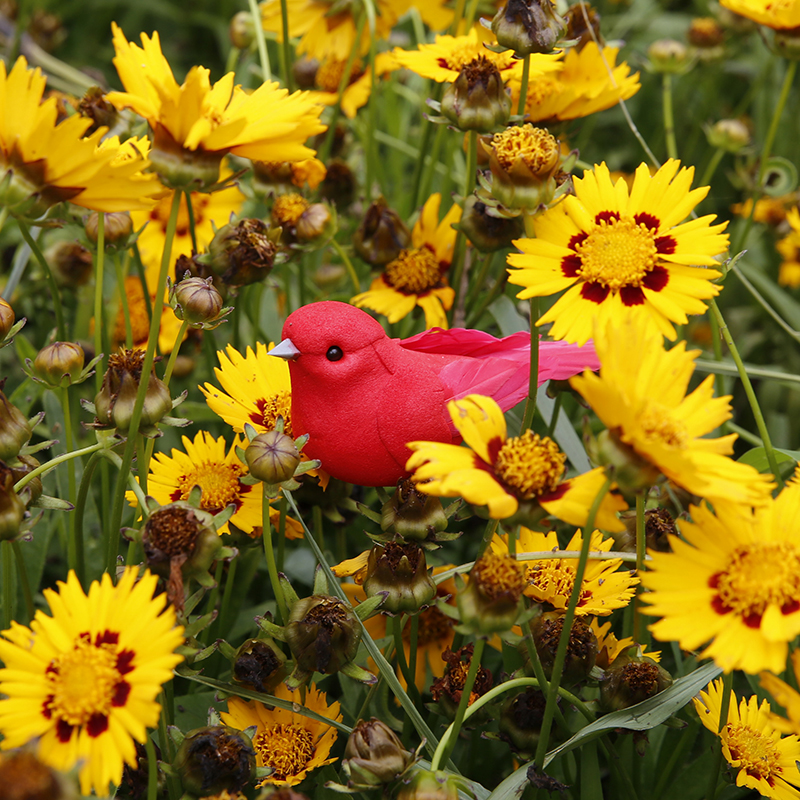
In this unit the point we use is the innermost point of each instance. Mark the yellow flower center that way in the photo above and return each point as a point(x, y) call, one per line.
point(279, 405)
point(413, 271)
point(530, 464)
point(617, 253)
point(499, 576)
point(754, 751)
point(757, 576)
point(554, 578)
point(286, 747)
point(459, 57)
point(82, 682)
point(329, 74)
point(219, 484)
point(287, 209)
point(537, 148)
point(657, 422)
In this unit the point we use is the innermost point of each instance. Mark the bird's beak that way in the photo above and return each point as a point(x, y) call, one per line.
point(286, 350)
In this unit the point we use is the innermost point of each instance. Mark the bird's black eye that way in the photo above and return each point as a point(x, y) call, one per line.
point(334, 353)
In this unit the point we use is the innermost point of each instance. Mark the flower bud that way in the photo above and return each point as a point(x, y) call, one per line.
point(631, 679)
point(477, 100)
point(381, 235)
point(115, 401)
point(374, 755)
point(323, 634)
point(287, 209)
point(658, 526)
point(787, 43)
point(304, 71)
point(272, 457)
point(24, 777)
point(179, 168)
point(577, 27)
point(71, 262)
point(12, 508)
point(117, 228)
point(447, 690)
point(528, 26)
point(412, 514)
point(705, 33)
point(33, 489)
point(492, 599)
point(215, 759)
point(425, 784)
point(14, 429)
point(668, 56)
point(259, 664)
point(59, 364)
point(487, 232)
point(399, 570)
point(316, 222)
point(521, 721)
point(95, 106)
point(730, 135)
point(7, 319)
point(196, 300)
point(242, 30)
point(631, 472)
point(339, 184)
point(242, 253)
point(581, 650)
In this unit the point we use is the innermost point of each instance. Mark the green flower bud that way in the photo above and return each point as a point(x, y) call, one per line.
point(242, 30)
point(259, 664)
point(447, 690)
point(426, 784)
point(477, 100)
point(412, 514)
point(323, 634)
point(581, 650)
point(631, 679)
point(487, 232)
point(95, 106)
point(180, 168)
point(196, 301)
point(59, 364)
point(72, 263)
point(14, 430)
point(381, 235)
point(24, 777)
point(117, 228)
point(32, 490)
point(12, 508)
point(528, 26)
point(7, 319)
point(492, 600)
point(215, 759)
point(631, 472)
point(401, 572)
point(669, 56)
point(272, 457)
point(521, 721)
point(242, 253)
point(115, 401)
point(731, 135)
point(374, 755)
point(705, 33)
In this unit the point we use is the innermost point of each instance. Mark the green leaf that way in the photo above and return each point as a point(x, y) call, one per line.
point(757, 457)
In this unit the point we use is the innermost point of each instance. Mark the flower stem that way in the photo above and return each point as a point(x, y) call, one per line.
point(48, 465)
point(173, 356)
point(348, 265)
point(370, 146)
point(446, 748)
point(281, 532)
point(724, 710)
point(266, 535)
point(402, 662)
point(563, 642)
point(460, 249)
point(152, 769)
point(711, 167)
point(641, 546)
point(263, 55)
point(769, 450)
point(286, 48)
point(99, 305)
point(74, 535)
point(523, 87)
point(22, 571)
point(8, 583)
point(126, 311)
point(533, 378)
point(61, 330)
point(669, 116)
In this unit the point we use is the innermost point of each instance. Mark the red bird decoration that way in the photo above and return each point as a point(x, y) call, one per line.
point(361, 395)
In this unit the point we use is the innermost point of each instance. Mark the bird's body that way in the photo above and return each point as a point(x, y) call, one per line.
point(362, 396)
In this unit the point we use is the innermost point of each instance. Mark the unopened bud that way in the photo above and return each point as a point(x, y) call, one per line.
point(399, 571)
point(272, 457)
point(787, 43)
point(492, 600)
point(15, 430)
point(528, 26)
point(59, 364)
point(259, 664)
point(12, 508)
point(582, 23)
point(411, 514)
point(487, 232)
point(581, 650)
point(315, 222)
point(631, 472)
point(339, 184)
point(521, 721)
point(71, 262)
point(7, 319)
point(374, 755)
point(730, 135)
point(668, 56)
point(304, 71)
point(215, 759)
point(117, 228)
point(426, 784)
point(242, 253)
point(381, 235)
point(197, 301)
point(242, 30)
point(631, 679)
point(477, 100)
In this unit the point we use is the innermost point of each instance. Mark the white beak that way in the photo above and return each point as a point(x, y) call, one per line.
point(286, 350)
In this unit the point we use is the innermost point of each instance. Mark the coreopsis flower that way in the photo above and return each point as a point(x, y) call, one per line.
point(507, 474)
point(769, 210)
point(613, 249)
point(732, 582)
point(291, 744)
point(609, 647)
point(195, 124)
point(209, 463)
point(654, 427)
point(789, 248)
point(44, 163)
point(778, 14)
point(417, 276)
point(550, 580)
point(766, 761)
point(581, 85)
point(83, 682)
point(443, 60)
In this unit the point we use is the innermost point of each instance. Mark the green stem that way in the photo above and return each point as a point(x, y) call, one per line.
point(641, 552)
point(74, 535)
point(123, 300)
point(446, 748)
point(533, 377)
point(281, 532)
point(480, 279)
point(713, 778)
point(115, 522)
point(523, 88)
point(263, 55)
point(423, 189)
point(80, 505)
point(22, 571)
point(563, 642)
point(8, 583)
point(192, 225)
point(272, 569)
point(348, 265)
point(371, 144)
point(47, 466)
point(457, 17)
point(230, 581)
point(286, 48)
point(488, 299)
point(556, 411)
point(711, 167)
point(460, 249)
point(152, 769)
point(55, 293)
point(99, 304)
point(173, 356)
point(669, 116)
point(769, 450)
point(402, 662)
point(472, 9)
point(413, 640)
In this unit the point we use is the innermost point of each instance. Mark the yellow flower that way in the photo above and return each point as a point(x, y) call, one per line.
point(586, 82)
point(732, 580)
point(769, 210)
point(209, 464)
point(43, 163)
point(609, 647)
point(326, 33)
point(502, 473)
point(291, 744)
point(443, 60)
point(195, 124)
point(766, 762)
point(83, 682)
point(417, 276)
point(640, 395)
point(773, 13)
point(789, 248)
point(550, 580)
point(613, 249)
